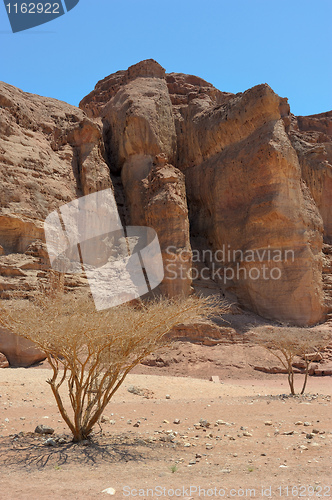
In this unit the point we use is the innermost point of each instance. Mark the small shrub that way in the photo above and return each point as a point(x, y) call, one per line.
point(91, 352)
point(288, 343)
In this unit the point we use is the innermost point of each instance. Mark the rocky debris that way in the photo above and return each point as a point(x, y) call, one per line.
point(3, 361)
point(324, 369)
point(145, 393)
point(50, 442)
point(44, 429)
point(203, 333)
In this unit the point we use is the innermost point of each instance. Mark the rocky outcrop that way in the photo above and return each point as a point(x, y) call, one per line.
point(210, 171)
point(243, 183)
point(253, 212)
point(311, 137)
point(141, 141)
point(50, 153)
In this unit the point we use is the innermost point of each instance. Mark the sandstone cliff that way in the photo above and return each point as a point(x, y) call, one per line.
point(246, 187)
point(210, 171)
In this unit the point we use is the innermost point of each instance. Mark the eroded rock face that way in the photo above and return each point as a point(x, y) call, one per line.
point(243, 181)
point(50, 153)
point(311, 137)
point(141, 142)
point(228, 172)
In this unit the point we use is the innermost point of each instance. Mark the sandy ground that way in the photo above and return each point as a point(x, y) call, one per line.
point(262, 440)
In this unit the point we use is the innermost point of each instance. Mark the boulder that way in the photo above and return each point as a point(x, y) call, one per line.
point(3, 361)
point(19, 351)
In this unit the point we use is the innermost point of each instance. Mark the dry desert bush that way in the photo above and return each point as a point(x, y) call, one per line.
point(286, 344)
point(90, 351)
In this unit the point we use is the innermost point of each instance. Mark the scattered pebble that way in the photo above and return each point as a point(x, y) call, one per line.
point(44, 429)
point(50, 442)
point(109, 491)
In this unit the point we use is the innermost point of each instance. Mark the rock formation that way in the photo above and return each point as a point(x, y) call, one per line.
point(235, 179)
point(245, 189)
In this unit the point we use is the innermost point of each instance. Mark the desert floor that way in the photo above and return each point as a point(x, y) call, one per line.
point(263, 439)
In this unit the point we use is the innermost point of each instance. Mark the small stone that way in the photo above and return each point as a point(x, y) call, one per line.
point(314, 444)
point(176, 421)
point(109, 491)
point(44, 429)
point(315, 431)
point(198, 455)
point(187, 445)
point(136, 425)
point(62, 441)
point(234, 454)
point(204, 423)
point(168, 396)
point(288, 433)
point(247, 434)
point(50, 442)
point(268, 422)
point(192, 462)
point(306, 424)
point(309, 436)
point(112, 422)
point(6, 420)
point(165, 422)
point(215, 379)
point(299, 422)
point(263, 454)
point(208, 446)
point(22, 418)
point(104, 419)
point(225, 471)
point(129, 421)
point(133, 389)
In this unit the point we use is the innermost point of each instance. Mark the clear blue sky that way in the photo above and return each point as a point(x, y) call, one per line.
point(233, 44)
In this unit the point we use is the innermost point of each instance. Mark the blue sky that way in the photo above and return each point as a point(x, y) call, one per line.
point(233, 44)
